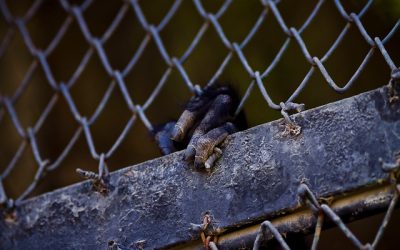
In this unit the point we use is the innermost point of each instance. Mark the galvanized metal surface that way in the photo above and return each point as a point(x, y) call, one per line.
point(154, 203)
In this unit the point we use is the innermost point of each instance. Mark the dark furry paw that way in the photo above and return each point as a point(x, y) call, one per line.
point(205, 123)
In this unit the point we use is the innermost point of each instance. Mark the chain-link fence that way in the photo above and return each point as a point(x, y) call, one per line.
point(132, 63)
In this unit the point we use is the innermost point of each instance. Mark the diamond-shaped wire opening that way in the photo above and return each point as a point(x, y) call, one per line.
point(99, 15)
point(25, 9)
point(125, 41)
point(209, 58)
point(64, 174)
point(73, 43)
point(188, 30)
point(59, 143)
point(14, 65)
point(142, 80)
point(23, 171)
point(48, 10)
point(10, 143)
point(130, 152)
point(89, 89)
point(248, 15)
point(35, 97)
point(105, 133)
point(157, 10)
point(163, 99)
point(260, 58)
point(139, 84)
point(364, 229)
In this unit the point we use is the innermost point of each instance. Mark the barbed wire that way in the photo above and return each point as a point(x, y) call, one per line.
point(75, 13)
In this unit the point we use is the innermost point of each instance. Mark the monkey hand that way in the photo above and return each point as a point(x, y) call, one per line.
point(205, 123)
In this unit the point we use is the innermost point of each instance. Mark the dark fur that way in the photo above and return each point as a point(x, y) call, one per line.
point(201, 104)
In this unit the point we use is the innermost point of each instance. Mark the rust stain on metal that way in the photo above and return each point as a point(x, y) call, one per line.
point(302, 220)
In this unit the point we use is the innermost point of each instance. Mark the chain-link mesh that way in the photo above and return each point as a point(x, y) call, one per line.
point(322, 211)
point(17, 25)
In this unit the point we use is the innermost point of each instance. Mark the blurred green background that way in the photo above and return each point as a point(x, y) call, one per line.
point(138, 146)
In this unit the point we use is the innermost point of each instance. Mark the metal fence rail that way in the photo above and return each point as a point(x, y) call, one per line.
point(61, 90)
point(263, 174)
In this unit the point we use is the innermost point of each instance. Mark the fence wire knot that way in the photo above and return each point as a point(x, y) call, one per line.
point(119, 83)
point(208, 230)
point(19, 25)
point(100, 179)
point(322, 210)
point(394, 86)
point(290, 127)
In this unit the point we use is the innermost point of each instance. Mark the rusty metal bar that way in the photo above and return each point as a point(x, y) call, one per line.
point(303, 220)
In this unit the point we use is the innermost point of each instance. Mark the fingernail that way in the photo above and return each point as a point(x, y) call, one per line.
point(166, 151)
point(189, 153)
point(177, 133)
point(198, 164)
